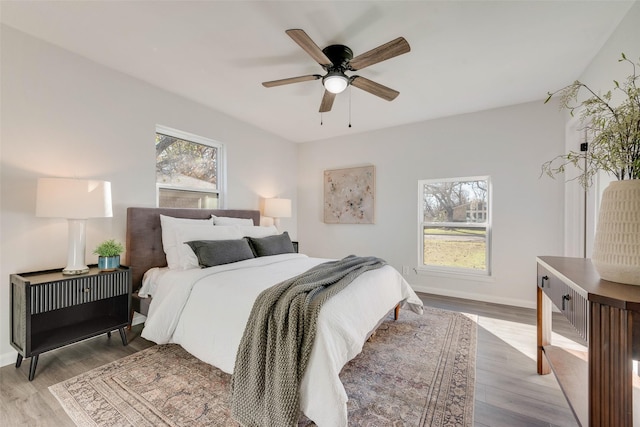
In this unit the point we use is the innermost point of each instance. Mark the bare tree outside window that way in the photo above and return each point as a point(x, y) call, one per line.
point(187, 171)
point(185, 163)
point(455, 224)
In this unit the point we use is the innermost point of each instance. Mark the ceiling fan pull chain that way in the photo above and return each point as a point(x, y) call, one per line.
point(321, 119)
point(349, 106)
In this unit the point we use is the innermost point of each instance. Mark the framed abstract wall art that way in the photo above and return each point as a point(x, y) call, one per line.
point(349, 195)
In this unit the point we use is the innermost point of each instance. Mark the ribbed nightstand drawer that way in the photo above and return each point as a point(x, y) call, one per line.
point(79, 290)
point(571, 302)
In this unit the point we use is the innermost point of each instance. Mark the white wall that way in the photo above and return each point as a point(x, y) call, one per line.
point(63, 115)
point(599, 76)
point(604, 68)
point(509, 144)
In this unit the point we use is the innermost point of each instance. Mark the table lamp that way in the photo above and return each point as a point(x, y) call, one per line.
point(76, 200)
point(276, 209)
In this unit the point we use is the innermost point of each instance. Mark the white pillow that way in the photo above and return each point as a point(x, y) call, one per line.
point(169, 242)
point(257, 231)
point(223, 220)
point(188, 233)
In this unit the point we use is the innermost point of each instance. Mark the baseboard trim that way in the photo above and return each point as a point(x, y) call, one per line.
point(8, 358)
point(474, 296)
point(138, 318)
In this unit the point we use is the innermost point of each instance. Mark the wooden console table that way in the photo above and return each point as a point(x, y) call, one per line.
point(598, 385)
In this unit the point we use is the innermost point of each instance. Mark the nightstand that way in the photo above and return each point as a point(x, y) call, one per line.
point(295, 246)
point(51, 310)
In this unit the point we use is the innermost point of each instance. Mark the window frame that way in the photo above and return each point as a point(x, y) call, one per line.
point(424, 268)
point(221, 159)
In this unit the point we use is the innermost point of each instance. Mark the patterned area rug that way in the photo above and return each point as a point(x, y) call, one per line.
point(417, 371)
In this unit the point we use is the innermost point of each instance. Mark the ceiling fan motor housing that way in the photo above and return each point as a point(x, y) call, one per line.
point(340, 55)
point(336, 81)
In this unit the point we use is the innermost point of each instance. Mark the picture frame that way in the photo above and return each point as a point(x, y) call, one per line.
point(349, 195)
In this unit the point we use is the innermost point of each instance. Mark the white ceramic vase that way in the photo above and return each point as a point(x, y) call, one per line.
point(616, 250)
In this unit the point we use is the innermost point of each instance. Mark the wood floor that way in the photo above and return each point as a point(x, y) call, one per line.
point(509, 393)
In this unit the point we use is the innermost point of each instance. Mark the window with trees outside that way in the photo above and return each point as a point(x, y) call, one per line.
point(454, 225)
point(188, 170)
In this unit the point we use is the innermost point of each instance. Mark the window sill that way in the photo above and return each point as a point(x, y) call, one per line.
point(455, 275)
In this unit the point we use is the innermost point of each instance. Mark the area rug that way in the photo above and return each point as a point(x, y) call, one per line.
point(417, 371)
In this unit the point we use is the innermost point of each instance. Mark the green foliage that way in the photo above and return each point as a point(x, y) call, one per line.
point(613, 130)
point(109, 248)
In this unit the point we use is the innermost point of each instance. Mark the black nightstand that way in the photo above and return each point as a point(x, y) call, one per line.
point(51, 310)
point(295, 246)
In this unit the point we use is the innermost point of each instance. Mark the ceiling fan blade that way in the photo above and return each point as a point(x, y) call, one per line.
point(374, 88)
point(291, 80)
point(381, 53)
point(309, 46)
point(327, 101)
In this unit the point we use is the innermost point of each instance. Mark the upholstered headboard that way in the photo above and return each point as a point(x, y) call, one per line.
point(144, 234)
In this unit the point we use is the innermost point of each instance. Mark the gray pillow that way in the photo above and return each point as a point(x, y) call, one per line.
point(271, 245)
point(217, 252)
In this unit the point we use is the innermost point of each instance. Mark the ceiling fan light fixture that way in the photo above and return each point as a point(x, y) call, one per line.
point(335, 59)
point(335, 82)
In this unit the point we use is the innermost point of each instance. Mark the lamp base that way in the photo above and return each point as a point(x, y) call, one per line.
point(75, 254)
point(75, 271)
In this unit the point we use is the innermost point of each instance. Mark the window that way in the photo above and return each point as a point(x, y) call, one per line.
point(188, 170)
point(454, 225)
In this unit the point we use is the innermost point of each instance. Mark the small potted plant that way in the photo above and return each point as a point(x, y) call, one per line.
point(109, 255)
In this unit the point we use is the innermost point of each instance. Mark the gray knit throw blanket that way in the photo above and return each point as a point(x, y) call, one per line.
point(278, 338)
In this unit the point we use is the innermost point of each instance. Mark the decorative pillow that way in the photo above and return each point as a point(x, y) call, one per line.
point(257, 231)
point(223, 220)
point(187, 233)
point(169, 237)
point(271, 245)
point(218, 252)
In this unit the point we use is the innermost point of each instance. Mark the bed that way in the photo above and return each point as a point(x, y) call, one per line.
point(205, 309)
point(144, 241)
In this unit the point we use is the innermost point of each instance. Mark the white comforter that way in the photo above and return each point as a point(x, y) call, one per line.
point(205, 311)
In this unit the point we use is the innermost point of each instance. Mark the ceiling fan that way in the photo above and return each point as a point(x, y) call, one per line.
point(336, 59)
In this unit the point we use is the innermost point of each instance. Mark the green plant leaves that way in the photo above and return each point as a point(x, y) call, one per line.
point(613, 130)
point(109, 248)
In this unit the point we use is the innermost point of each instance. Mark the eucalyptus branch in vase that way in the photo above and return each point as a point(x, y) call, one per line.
point(613, 130)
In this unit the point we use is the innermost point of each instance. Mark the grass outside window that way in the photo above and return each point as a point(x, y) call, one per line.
point(454, 225)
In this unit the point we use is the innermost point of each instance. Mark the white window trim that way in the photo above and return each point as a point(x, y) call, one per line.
point(222, 164)
point(458, 275)
point(463, 273)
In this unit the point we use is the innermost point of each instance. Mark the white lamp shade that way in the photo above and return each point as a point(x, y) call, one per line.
point(277, 208)
point(73, 198)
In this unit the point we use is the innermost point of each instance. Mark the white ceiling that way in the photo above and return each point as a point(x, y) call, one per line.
point(465, 55)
